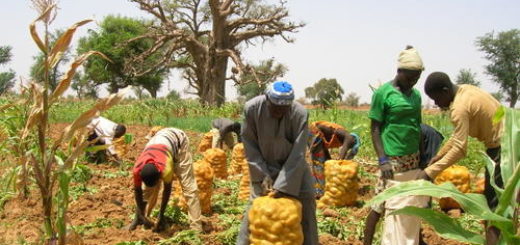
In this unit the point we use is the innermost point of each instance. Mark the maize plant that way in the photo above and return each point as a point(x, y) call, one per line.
point(341, 186)
point(275, 221)
point(458, 176)
point(506, 215)
point(218, 160)
point(14, 117)
point(51, 167)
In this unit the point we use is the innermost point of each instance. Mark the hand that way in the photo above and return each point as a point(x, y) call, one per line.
point(423, 175)
point(434, 159)
point(140, 221)
point(279, 194)
point(160, 226)
point(267, 184)
point(386, 171)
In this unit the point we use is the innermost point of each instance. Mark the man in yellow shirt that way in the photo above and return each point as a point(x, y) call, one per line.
point(471, 111)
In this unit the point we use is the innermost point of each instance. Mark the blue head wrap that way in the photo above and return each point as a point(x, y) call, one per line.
point(357, 143)
point(280, 93)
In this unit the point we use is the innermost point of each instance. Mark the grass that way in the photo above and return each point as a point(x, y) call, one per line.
point(99, 223)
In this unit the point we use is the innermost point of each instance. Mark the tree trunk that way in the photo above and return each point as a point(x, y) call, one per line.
point(212, 82)
point(153, 92)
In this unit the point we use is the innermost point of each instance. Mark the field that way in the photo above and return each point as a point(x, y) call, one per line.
point(102, 202)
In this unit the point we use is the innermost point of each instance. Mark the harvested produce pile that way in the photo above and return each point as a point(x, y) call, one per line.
point(238, 157)
point(218, 160)
point(275, 221)
point(480, 186)
point(460, 177)
point(204, 177)
point(239, 167)
point(341, 186)
point(121, 146)
point(205, 142)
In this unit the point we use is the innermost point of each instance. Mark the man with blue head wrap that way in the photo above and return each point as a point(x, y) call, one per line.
point(275, 134)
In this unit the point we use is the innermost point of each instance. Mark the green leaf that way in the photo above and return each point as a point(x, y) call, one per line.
point(499, 115)
point(474, 204)
point(490, 165)
point(444, 225)
point(129, 138)
point(96, 148)
point(510, 158)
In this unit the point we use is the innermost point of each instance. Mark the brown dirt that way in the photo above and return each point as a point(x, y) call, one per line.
point(113, 201)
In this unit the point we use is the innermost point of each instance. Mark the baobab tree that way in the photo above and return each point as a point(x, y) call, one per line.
point(201, 36)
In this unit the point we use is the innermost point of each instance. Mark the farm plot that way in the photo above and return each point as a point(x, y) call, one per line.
point(102, 206)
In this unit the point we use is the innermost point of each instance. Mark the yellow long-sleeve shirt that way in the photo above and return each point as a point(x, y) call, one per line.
point(471, 113)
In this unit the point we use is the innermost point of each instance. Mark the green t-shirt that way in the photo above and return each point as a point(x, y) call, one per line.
point(400, 116)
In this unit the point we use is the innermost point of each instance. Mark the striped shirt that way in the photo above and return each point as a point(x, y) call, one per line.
point(162, 150)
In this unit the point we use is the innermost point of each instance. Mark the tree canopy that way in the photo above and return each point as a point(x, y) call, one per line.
point(267, 72)
point(502, 50)
point(325, 92)
point(201, 36)
point(467, 76)
point(111, 39)
point(6, 78)
point(352, 99)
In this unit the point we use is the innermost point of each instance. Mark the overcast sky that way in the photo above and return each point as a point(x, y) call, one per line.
point(356, 42)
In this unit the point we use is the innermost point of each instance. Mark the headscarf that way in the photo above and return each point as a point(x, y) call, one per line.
point(280, 93)
point(409, 59)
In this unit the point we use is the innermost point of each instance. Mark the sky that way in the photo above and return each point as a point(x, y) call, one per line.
point(355, 42)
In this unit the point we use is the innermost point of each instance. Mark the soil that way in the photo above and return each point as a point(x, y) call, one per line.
point(112, 201)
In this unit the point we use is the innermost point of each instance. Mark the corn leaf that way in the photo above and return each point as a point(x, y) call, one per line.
point(474, 204)
point(510, 161)
point(63, 43)
point(444, 225)
point(499, 115)
point(66, 81)
point(34, 32)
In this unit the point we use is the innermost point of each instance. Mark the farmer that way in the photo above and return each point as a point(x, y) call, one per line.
point(165, 154)
point(103, 132)
point(471, 111)
point(275, 134)
point(324, 136)
point(222, 131)
point(395, 115)
point(430, 144)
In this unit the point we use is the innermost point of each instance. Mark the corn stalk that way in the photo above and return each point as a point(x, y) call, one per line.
point(51, 167)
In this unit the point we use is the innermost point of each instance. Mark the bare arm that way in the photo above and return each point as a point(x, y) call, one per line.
point(140, 218)
point(164, 202)
point(384, 164)
point(348, 143)
point(375, 130)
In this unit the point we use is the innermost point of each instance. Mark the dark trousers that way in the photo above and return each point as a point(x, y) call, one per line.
point(98, 156)
point(489, 191)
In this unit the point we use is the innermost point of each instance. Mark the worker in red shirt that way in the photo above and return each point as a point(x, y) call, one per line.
point(165, 154)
